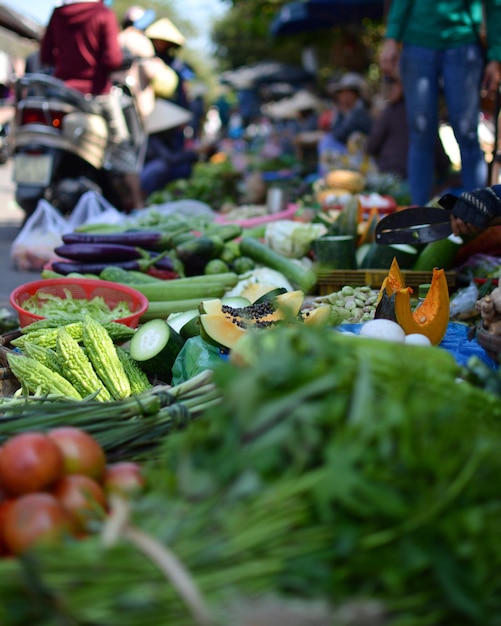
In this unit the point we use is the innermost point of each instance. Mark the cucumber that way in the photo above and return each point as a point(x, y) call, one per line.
point(301, 277)
point(226, 232)
point(162, 310)
point(126, 277)
point(155, 346)
point(168, 290)
point(185, 323)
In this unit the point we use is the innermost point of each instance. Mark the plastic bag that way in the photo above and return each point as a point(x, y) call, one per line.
point(184, 207)
point(41, 233)
point(195, 357)
point(462, 303)
point(93, 208)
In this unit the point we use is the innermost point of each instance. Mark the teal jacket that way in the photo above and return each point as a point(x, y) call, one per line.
point(442, 24)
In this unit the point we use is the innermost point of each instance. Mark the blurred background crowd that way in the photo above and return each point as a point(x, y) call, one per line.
point(280, 89)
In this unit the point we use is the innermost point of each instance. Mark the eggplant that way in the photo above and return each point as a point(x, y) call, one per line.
point(97, 252)
point(150, 239)
point(140, 265)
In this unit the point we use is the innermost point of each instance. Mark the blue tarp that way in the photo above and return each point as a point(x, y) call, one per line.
point(456, 342)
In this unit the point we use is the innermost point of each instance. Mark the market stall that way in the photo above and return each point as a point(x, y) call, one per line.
point(262, 434)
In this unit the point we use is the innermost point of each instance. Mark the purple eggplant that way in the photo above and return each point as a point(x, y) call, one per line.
point(100, 252)
point(141, 265)
point(149, 239)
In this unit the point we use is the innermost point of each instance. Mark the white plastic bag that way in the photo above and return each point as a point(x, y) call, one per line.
point(93, 208)
point(41, 233)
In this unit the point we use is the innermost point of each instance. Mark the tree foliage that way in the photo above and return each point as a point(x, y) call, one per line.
point(243, 36)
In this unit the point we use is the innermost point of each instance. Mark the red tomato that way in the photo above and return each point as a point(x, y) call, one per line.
point(124, 478)
point(4, 507)
point(35, 518)
point(82, 453)
point(83, 497)
point(30, 462)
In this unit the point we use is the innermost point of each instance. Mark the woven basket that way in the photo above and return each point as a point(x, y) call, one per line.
point(8, 382)
point(489, 342)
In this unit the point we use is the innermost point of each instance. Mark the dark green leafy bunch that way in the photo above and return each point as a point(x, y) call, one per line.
point(212, 183)
point(402, 457)
point(335, 468)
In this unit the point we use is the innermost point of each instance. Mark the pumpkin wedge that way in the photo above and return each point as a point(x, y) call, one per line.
point(431, 317)
point(393, 282)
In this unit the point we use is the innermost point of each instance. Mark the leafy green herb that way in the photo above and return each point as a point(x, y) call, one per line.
point(59, 308)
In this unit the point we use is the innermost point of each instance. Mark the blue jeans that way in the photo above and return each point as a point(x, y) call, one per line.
point(458, 72)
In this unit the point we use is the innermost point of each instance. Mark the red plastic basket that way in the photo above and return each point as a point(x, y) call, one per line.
point(80, 288)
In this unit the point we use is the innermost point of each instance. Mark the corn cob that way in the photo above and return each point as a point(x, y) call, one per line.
point(138, 379)
point(77, 367)
point(103, 355)
point(38, 378)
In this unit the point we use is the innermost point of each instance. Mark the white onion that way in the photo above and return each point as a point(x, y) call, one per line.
point(383, 329)
point(417, 339)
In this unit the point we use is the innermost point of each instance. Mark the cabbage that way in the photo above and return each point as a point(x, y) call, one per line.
point(292, 239)
point(263, 275)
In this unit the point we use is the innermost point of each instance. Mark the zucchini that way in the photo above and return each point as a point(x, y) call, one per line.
point(117, 274)
point(301, 277)
point(155, 346)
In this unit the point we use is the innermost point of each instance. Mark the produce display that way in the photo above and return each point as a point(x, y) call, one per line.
point(56, 486)
point(249, 440)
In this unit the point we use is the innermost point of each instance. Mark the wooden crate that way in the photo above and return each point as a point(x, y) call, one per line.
point(333, 280)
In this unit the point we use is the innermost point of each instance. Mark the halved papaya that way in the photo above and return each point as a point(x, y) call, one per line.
point(235, 321)
point(317, 317)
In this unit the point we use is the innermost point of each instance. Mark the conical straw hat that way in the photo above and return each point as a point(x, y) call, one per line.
point(165, 30)
point(166, 115)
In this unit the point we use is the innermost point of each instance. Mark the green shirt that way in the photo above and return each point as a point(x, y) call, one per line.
point(442, 24)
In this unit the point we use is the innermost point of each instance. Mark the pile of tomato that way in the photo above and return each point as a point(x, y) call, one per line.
point(55, 486)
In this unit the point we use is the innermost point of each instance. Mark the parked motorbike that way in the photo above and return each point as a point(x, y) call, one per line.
point(61, 145)
point(6, 118)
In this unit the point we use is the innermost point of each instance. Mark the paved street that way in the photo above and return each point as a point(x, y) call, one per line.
point(11, 217)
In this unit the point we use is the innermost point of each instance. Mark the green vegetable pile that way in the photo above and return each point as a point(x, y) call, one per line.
point(69, 308)
point(336, 468)
point(212, 183)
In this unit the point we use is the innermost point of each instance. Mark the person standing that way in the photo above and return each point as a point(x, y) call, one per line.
point(435, 46)
point(81, 43)
point(388, 141)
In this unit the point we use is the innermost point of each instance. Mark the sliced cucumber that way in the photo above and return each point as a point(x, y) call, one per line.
point(155, 346)
point(178, 320)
